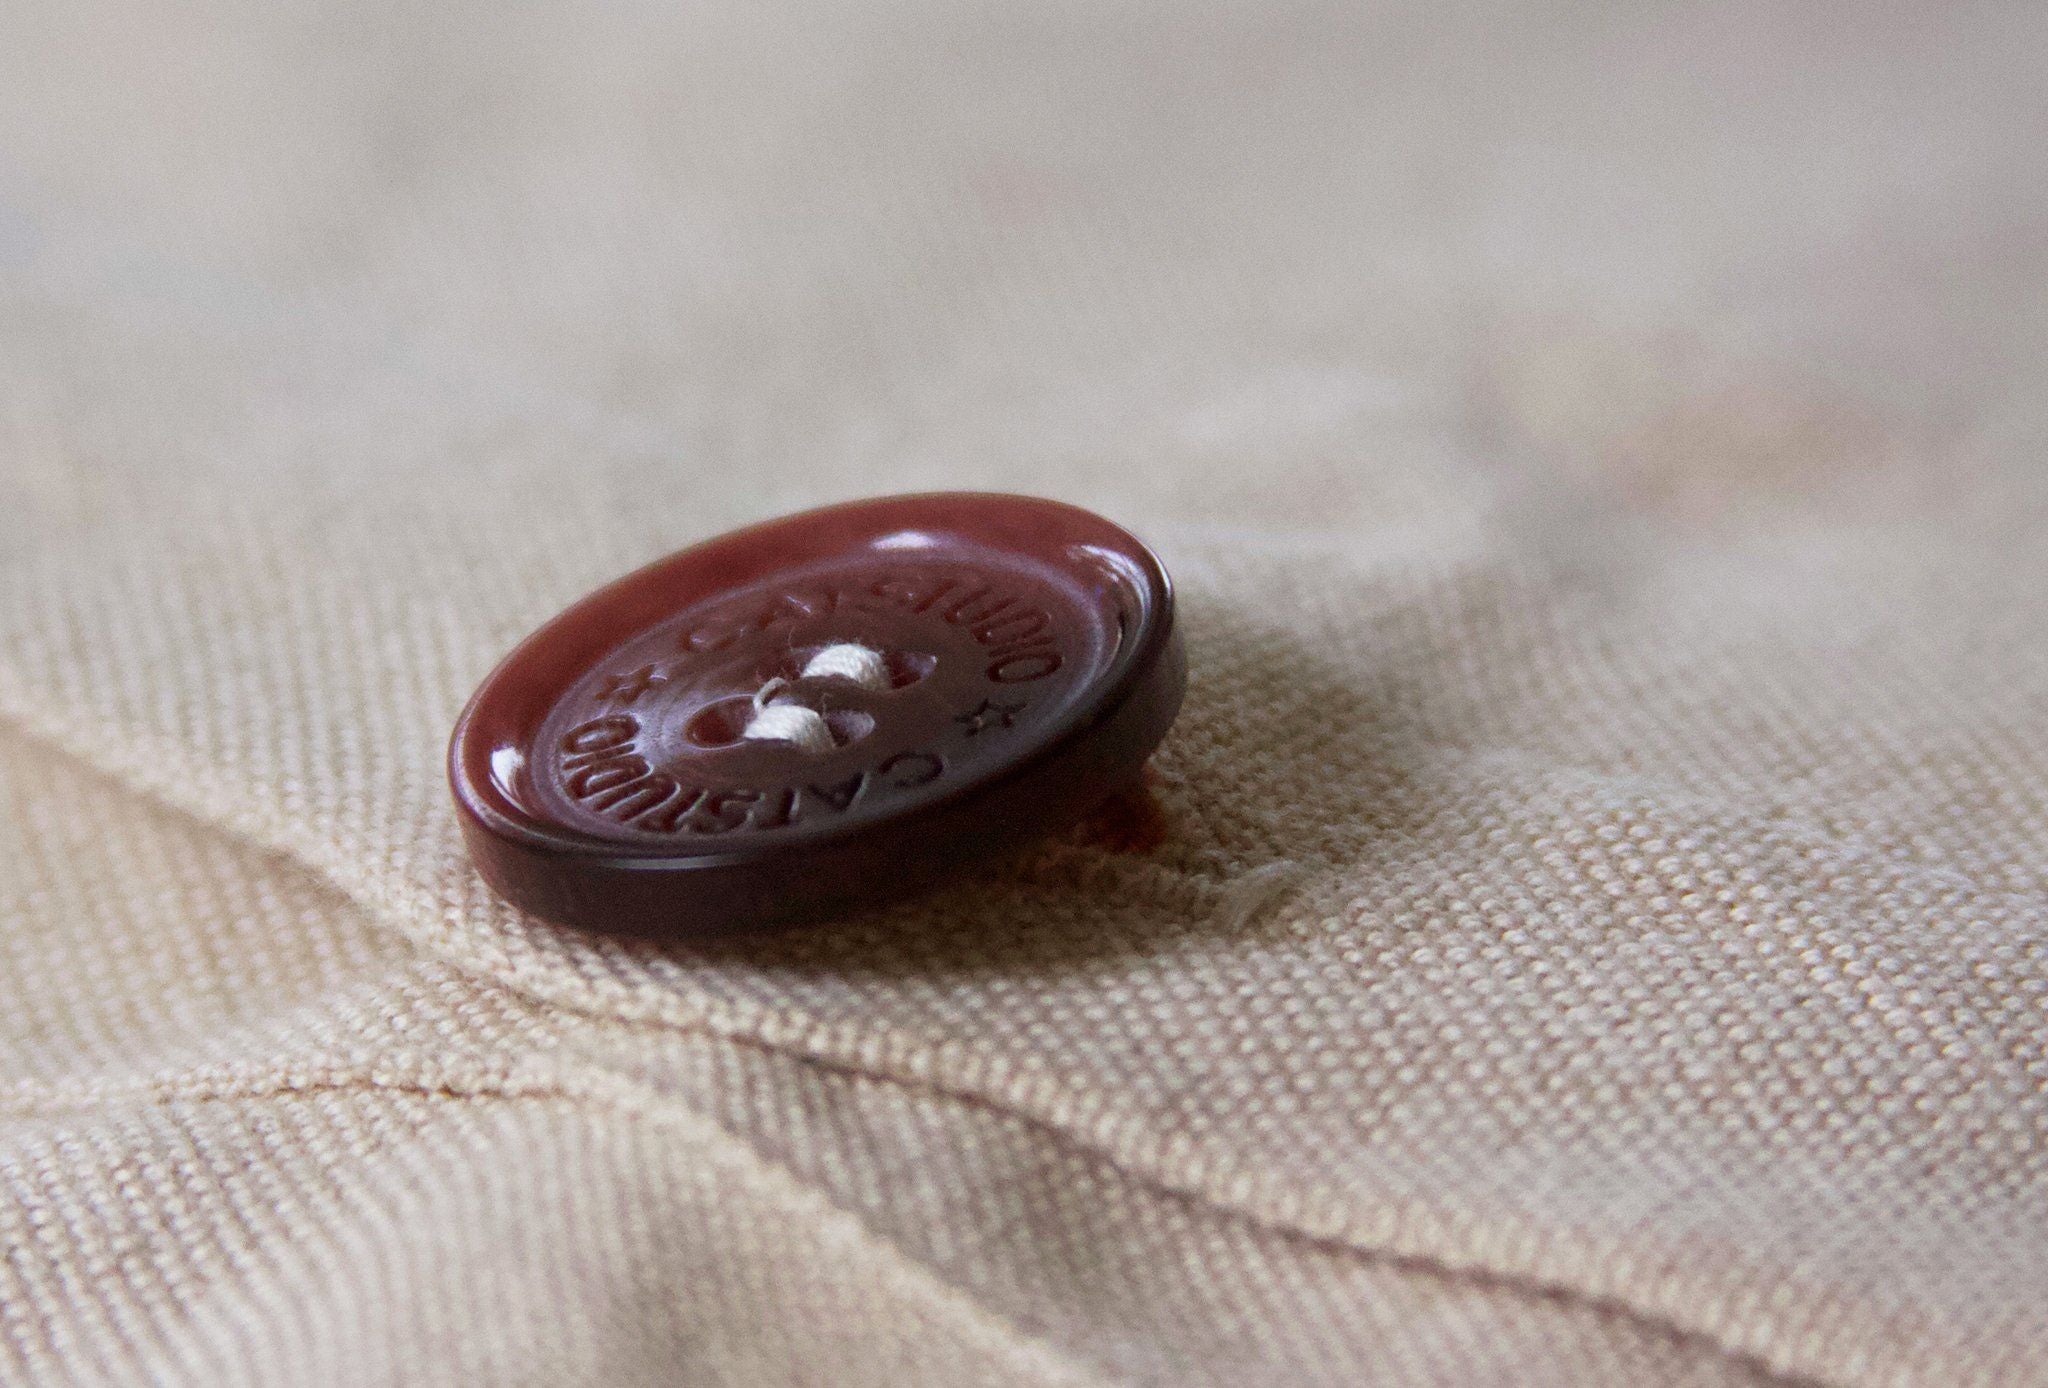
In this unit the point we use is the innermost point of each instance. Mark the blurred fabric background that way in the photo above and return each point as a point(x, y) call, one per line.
point(1601, 934)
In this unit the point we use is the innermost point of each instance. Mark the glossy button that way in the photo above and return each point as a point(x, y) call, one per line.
point(816, 714)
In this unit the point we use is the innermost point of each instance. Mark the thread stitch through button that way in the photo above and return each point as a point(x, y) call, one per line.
point(801, 725)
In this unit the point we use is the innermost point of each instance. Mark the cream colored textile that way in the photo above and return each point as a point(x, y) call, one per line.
point(1603, 933)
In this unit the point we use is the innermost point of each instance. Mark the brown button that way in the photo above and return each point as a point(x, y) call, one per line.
point(817, 713)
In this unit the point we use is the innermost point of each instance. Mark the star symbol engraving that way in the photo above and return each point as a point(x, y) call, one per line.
point(990, 714)
point(624, 689)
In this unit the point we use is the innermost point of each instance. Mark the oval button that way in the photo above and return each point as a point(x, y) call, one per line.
point(817, 714)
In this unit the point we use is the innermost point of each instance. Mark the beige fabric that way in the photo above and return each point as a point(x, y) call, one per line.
point(1603, 933)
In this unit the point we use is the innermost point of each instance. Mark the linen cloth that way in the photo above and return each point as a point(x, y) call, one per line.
point(1599, 934)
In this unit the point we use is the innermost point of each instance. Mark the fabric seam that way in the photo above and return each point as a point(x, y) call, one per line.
point(874, 1039)
point(600, 1088)
point(589, 1090)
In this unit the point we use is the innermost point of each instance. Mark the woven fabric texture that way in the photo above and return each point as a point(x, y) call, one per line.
point(1601, 934)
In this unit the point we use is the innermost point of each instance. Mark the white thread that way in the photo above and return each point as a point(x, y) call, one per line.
point(804, 726)
point(849, 660)
point(1245, 899)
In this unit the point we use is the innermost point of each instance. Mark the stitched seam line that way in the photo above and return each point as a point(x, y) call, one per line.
point(883, 1055)
point(588, 1090)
